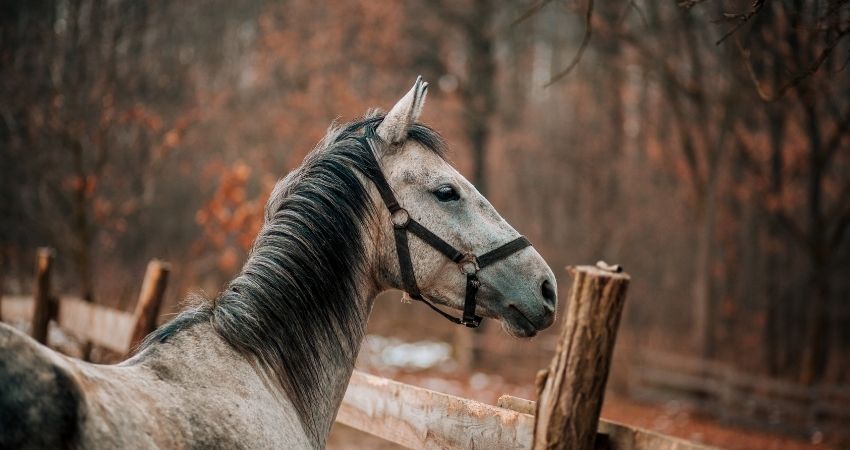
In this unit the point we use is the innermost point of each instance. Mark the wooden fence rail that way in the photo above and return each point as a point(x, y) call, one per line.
point(103, 326)
point(420, 418)
point(116, 330)
point(734, 396)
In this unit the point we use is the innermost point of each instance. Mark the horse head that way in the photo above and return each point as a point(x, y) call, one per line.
point(442, 242)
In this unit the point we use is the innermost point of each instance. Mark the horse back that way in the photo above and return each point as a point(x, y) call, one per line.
point(40, 402)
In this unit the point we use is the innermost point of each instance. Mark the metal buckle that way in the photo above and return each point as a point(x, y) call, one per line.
point(469, 264)
point(400, 218)
point(471, 323)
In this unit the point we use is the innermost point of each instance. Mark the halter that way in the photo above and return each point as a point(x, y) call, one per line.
point(468, 263)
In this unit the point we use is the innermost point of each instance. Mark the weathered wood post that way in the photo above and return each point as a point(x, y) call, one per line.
point(570, 393)
point(150, 299)
point(42, 308)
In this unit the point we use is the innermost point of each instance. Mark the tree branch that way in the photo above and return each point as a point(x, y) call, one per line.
point(688, 4)
point(841, 227)
point(530, 12)
point(588, 31)
point(634, 6)
point(740, 18)
point(793, 229)
point(834, 143)
point(797, 79)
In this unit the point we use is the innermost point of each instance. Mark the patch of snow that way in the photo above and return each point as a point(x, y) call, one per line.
point(479, 381)
point(388, 352)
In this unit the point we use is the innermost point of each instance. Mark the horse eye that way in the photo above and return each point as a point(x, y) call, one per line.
point(446, 194)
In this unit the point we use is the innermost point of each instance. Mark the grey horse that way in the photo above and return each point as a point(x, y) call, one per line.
point(266, 362)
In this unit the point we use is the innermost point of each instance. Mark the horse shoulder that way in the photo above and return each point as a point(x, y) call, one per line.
point(198, 392)
point(41, 404)
point(206, 397)
point(228, 400)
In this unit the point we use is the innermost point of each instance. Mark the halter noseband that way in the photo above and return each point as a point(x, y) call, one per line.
point(468, 263)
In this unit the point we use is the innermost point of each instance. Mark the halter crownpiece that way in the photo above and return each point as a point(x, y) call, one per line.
point(468, 263)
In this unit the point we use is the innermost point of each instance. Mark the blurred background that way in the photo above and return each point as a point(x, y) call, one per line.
point(704, 145)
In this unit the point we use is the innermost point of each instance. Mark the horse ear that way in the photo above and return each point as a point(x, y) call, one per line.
point(393, 129)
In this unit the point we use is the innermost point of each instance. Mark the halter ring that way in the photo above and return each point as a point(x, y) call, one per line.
point(469, 264)
point(400, 218)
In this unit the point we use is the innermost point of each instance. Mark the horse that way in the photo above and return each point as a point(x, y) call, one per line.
point(265, 363)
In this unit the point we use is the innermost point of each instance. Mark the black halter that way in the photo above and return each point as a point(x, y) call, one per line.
point(468, 263)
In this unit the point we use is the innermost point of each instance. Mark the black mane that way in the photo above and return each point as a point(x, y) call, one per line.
point(294, 305)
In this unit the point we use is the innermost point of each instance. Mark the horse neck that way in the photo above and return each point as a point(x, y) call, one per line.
point(200, 352)
point(336, 369)
point(298, 310)
point(314, 338)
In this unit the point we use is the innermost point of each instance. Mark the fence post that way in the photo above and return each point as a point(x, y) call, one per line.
point(150, 298)
point(42, 308)
point(570, 393)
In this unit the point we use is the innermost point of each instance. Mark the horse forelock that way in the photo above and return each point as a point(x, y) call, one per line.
point(294, 308)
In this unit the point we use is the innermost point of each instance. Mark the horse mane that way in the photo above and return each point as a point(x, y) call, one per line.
point(294, 307)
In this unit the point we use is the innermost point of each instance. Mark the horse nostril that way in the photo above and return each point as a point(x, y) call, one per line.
point(548, 292)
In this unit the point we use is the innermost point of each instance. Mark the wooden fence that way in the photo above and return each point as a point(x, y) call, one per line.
point(420, 418)
point(118, 331)
point(570, 391)
point(102, 326)
point(741, 398)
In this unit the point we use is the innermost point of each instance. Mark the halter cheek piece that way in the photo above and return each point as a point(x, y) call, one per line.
point(468, 263)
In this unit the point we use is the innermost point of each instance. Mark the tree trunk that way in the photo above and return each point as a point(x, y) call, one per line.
point(81, 226)
point(705, 319)
point(479, 89)
point(816, 345)
point(82, 229)
point(478, 94)
point(775, 341)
